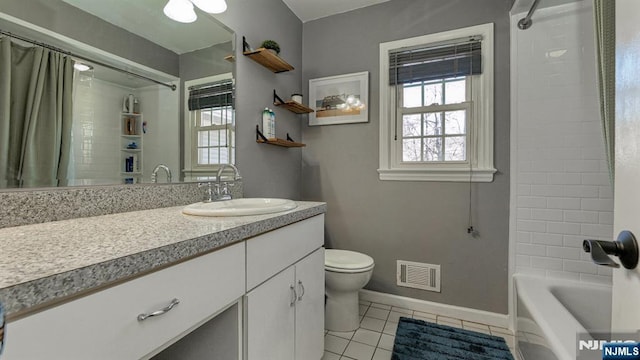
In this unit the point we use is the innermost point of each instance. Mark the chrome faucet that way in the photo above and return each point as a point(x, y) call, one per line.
point(222, 188)
point(154, 174)
point(209, 194)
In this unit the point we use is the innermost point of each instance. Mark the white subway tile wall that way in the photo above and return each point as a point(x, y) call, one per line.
point(96, 125)
point(563, 193)
point(96, 142)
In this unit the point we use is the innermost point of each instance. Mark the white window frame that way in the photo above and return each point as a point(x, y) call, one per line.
point(192, 171)
point(479, 165)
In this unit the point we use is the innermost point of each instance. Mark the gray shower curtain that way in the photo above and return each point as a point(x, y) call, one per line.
point(35, 115)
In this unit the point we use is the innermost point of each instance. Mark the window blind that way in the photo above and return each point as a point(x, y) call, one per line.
point(211, 95)
point(431, 62)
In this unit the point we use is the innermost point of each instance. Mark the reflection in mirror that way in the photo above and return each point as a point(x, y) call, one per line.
point(211, 126)
point(115, 120)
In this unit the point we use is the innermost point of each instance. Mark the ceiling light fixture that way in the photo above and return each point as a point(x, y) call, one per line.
point(82, 67)
point(180, 11)
point(211, 6)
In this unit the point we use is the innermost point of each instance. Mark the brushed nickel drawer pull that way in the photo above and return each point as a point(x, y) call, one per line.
point(294, 295)
point(301, 290)
point(163, 311)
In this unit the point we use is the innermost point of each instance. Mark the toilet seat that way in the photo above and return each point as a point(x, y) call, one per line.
point(345, 261)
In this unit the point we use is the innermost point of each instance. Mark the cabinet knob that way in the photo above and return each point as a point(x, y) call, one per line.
point(162, 311)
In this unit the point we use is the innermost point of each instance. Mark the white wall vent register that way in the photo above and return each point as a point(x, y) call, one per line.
point(418, 275)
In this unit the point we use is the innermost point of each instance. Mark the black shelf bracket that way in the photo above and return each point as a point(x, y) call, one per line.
point(259, 134)
point(276, 97)
point(245, 45)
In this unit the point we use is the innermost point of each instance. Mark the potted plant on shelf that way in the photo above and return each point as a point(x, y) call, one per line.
point(271, 46)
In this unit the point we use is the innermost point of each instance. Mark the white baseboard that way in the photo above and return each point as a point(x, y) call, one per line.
point(458, 312)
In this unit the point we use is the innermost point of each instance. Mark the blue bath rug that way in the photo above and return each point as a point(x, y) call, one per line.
point(421, 340)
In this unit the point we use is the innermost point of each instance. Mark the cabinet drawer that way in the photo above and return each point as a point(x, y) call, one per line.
point(104, 325)
point(270, 253)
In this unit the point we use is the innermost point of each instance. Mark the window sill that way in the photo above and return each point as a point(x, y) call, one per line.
point(448, 175)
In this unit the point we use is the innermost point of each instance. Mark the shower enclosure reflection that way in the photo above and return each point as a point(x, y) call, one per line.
point(117, 126)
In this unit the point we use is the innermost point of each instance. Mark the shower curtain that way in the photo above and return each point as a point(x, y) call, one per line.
point(35, 115)
point(605, 22)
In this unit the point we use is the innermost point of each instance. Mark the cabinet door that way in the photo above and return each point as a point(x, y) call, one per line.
point(270, 318)
point(310, 306)
point(265, 254)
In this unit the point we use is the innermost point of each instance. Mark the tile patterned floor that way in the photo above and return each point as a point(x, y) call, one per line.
point(378, 322)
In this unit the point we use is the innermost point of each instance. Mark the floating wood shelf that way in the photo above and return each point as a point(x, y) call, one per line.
point(275, 141)
point(265, 58)
point(281, 142)
point(272, 62)
point(295, 107)
point(291, 105)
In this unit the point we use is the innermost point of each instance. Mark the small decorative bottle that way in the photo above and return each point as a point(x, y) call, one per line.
point(266, 123)
point(272, 123)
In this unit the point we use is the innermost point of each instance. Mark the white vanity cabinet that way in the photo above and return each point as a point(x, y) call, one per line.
point(272, 282)
point(284, 305)
point(105, 325)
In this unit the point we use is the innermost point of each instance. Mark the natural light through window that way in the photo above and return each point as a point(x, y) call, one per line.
point(209, 136)
point(432, 132)
point(436, 107)
point(214, 135)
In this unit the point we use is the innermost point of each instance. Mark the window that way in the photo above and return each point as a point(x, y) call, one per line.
point(213, 136)
point(436, 106)
point(434, 121)
point(210, 137)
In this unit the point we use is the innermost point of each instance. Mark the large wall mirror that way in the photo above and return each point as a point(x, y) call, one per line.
point(154, 91)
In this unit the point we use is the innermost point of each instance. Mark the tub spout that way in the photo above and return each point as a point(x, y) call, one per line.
point(625, 248)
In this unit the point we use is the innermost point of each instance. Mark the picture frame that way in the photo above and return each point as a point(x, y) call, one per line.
point(340, 99)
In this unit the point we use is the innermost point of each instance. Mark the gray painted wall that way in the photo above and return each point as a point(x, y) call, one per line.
point(415, 221)
point(205, 62)
point(267, 170)
point(67, 20)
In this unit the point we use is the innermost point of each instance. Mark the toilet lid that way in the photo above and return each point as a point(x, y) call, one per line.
point(345, 259)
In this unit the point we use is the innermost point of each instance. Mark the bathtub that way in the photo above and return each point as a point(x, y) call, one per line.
point(551, 312)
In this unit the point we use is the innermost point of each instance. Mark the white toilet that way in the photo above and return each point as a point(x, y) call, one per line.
point(346, 272)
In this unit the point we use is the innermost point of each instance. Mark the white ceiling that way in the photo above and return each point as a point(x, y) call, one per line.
point(308, 10)
point(145, 18)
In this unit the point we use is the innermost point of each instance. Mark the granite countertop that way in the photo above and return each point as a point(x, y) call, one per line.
point(44, 263)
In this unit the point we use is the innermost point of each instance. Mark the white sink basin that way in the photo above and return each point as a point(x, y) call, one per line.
point(239, 207)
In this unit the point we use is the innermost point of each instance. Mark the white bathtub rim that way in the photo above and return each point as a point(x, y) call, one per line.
point(536, 295)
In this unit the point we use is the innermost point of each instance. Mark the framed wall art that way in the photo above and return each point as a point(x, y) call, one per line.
point(341, 99)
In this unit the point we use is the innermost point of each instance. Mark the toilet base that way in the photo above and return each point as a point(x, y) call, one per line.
point(342, 311)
